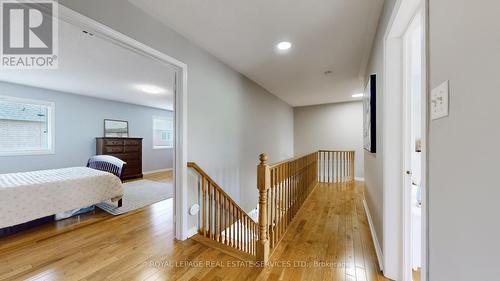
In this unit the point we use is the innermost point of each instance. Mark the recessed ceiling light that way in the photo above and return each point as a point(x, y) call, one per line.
point(150, 89)
point(283, 46)
point(358, 95)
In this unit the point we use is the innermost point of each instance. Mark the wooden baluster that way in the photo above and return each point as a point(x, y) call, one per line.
point(338, 167)
point(227, 223)
point(238, 224)
point(328, 166)
point(271, 205)
point(245, 236)
point(346, 165)
point(204, 206)
point(285, 184)
point(350, 166)
point(276, 205)
point(216, 212)
point(235, 214)
point(353, 165)
point(242, 228)
point(282, 194)
point(247, 231)
point(288, 183)
point(231, 230)
point(342, 166)
point(318, 157)
point(209, 226)
point(263, 181)
point(221, 216)
point(324, 167)
point(239, 229)
point(292, 188)
point(236, 228)
point(342, 170)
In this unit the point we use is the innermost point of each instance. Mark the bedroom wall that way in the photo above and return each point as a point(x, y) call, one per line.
point(79, 120)
point(231, 119)
point(330, 126)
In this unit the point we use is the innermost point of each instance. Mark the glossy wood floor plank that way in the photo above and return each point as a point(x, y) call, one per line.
point(330, 235)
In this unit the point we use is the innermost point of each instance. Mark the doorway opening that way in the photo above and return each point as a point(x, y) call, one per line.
point(405, 155)
point(413, 116)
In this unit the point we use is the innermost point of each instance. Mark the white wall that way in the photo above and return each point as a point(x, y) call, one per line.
point(464, 192)
point(330, 126)
point(231, 120)
point(373, 161)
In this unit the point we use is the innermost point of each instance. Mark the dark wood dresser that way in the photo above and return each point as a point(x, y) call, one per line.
point(128, 150)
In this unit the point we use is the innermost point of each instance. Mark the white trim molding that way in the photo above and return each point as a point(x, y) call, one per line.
point(180, 109)
point(51, 128)
point(157, 171)
point(376, 243)
point(192, 231)
point(393, 237)
point(359, 178)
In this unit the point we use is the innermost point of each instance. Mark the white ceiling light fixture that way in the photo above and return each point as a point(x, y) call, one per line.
point(150, 89)
point(358, 95)
point(283, 46)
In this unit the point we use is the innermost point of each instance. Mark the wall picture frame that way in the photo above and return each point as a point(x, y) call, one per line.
point(370, 115)
point(115, 128)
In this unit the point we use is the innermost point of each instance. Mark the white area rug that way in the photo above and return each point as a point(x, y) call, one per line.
point(139, 194)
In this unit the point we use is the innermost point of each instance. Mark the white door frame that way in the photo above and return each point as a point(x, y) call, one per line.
point(409, 147)
point(394, 232)
point(180, 113)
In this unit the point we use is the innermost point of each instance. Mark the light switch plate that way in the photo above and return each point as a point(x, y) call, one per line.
point(440, 101)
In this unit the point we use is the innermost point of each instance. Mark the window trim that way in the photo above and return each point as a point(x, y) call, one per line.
point(156, 147)
point(51, 128)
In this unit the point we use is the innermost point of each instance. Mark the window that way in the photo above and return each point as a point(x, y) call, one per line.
point(26, 126)
point(163, 132)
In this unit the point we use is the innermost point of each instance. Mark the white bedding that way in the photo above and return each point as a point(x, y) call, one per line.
point(28, 196)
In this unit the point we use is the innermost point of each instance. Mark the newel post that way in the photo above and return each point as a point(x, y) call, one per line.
point(263, 184)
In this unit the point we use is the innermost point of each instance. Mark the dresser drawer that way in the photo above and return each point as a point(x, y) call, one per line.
point(127, 156)
point(113, 149)
point(133, 162)
point(132, 170)
point(131, 148)
point(132, 142)
point(113, 142)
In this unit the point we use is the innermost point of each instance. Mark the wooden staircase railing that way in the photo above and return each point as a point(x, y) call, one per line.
point(283, 188)
point(223, 221)
point(336, 166)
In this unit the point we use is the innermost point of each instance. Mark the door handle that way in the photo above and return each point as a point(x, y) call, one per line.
point(408, 172)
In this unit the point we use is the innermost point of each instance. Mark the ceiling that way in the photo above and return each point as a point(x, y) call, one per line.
point(93, 66)
point(327, 35)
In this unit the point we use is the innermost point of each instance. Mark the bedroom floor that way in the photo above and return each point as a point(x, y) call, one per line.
point(59, 227)
point(141, 246)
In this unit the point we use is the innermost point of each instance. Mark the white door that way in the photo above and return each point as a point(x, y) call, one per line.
point(413, 116)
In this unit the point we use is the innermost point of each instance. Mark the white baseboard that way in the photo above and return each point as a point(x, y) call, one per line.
point(359, 179)
point(378, 249)
point(192, 231)
point(157, 171)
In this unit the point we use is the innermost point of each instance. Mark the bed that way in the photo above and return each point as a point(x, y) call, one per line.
point(29, 196)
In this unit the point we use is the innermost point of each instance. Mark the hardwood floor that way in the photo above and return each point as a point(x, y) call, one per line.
point(331, 228)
